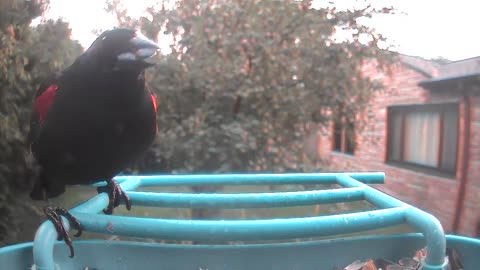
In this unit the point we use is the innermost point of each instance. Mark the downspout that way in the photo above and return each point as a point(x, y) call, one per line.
point(467, 100)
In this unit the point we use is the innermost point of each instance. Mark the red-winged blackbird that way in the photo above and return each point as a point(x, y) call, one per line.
point(92, 119)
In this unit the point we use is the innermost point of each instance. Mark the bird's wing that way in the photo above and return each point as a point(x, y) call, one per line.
point(154, 101)
point(43, 100)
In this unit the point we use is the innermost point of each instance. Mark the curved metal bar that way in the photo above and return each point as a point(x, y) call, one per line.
point(431, 228)
point(427, 224)
point(242, 230)
point(46, 234)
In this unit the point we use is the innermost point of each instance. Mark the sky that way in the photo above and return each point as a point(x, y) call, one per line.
point(425, 28)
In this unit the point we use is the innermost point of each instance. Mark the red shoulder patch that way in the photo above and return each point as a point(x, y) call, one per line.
point(44, 101)
point(154, 102)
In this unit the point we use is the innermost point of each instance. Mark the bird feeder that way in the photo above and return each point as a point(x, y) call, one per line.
point(275, 252)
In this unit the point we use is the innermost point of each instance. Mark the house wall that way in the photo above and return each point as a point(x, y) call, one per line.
point(434, 194)
point(470, 214)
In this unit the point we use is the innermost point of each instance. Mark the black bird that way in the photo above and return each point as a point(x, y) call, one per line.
point(91, 120)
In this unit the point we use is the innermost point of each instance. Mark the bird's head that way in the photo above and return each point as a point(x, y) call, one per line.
point(122, 49)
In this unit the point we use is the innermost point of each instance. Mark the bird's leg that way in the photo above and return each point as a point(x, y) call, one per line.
point(115, 194)
point(54, 214)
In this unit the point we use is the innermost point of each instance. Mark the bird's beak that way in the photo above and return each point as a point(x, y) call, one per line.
point(141, 49)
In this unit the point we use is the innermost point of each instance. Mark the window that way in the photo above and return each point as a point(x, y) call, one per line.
point(424, 136)
point(343, 137)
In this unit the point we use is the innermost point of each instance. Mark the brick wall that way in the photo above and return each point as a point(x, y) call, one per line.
point(434, 194)
point(470, 214)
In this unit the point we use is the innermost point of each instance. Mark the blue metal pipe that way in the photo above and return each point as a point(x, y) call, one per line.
point(246, 200)
point(246, 230)
point(372, 195)
point(432, 229)
point(46, 234)
point(100, 202)
point(45, 238)
point(251, 179)
point(396, 212)
point(427, 224)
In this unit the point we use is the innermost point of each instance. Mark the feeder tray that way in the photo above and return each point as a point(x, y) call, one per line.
point(45, 253)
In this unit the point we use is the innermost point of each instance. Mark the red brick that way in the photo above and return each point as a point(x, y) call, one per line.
point(433, 194)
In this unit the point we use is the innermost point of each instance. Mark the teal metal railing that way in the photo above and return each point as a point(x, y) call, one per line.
point(389, 212)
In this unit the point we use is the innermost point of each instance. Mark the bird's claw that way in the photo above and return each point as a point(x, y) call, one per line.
point(115, 194)
point(54, 214)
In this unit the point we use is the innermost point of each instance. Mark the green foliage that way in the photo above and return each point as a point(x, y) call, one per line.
point(245, 82)
point(441, 60)
point(247, 79)
point(27, 56)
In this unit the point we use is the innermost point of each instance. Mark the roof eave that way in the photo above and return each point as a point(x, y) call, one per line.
point(448, 81)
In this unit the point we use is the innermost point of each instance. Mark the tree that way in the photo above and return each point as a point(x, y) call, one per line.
point(247, 79)
point(27, 56)
point(441, 60)
point(244, 82)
